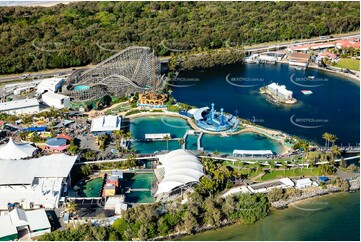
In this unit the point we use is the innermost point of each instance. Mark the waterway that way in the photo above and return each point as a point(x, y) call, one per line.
point(328, 218)
point(333, 107)
point(177, 127)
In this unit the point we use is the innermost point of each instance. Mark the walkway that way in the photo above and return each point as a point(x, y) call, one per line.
point(115, 160)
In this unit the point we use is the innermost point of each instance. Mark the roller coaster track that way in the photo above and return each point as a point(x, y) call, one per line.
point(128, 71)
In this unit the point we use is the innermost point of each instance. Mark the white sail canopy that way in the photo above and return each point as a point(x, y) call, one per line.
point(180, 168)
point(16, 151)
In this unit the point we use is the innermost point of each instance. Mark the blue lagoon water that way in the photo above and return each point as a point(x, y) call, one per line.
point(246, 141)
point(177, 127)
point(333, 107)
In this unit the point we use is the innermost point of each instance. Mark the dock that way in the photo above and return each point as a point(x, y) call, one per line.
point(159, 136)
point(199, 147)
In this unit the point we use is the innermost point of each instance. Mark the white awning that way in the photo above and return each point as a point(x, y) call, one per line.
point(252, 152)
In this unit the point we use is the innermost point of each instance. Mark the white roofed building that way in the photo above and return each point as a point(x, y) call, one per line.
point(35, 222)
point(280, 91)
point(105, 124)
point(179, 169)
point(303, 183)
point(7, 230)
point(24, 106)
point(16, 151)
point(36, 182)
point(50, 84)
point(56, 100)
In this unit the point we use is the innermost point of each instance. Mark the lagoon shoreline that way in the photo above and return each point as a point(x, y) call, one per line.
point(223, 224)
point(260, 130)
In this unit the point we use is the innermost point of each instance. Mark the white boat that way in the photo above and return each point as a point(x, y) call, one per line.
point(311, 77)
point(307, 92)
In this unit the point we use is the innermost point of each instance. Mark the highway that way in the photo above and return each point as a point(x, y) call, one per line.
point(41, 74)
point(299, 42)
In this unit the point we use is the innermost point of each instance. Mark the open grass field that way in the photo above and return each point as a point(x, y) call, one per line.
point(351, 64)
point(276, 174)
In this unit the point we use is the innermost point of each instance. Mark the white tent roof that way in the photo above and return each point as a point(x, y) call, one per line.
point(37, 219)
point(16, 151)
point(24, 171)
point(105, 123)
point(7, 228)
point(180, 168)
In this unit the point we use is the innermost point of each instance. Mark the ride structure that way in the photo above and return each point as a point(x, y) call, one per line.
point(126, 72)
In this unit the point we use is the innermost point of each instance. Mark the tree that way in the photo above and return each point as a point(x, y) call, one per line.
point(275, 194)
point(335, 151)
point(166, 138)
point(327, 137)
point(190, 222)
point(181, 142)
point(343, 163)
point(71, 207)
point(345, 185)
point(87, 169)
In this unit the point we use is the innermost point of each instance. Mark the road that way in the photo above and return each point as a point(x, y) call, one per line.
point(255, 48)
point(299, 42)
point(36, 75)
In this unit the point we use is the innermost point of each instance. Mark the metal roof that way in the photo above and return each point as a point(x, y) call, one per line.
point(24, 171)
point(18, 104)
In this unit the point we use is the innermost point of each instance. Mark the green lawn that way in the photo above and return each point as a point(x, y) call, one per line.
point(351, 64)
point(290, 173)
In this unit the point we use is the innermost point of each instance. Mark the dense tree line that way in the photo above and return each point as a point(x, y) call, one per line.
point(205, 59)
point(154, 220)
point(36, 38)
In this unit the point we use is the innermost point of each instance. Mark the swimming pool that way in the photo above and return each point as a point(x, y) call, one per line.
point(81, 87)
point(141, 185)
point(139, 181)
point(139, 197)
point(92, 188)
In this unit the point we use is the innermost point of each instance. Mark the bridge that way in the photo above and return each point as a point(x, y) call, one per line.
point(115, 160)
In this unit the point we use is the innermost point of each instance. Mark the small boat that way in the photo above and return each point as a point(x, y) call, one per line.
point(311, 77)
point(298, 68)
point(306, 92)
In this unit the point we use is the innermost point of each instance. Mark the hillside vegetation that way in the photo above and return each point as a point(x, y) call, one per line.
point(36, 38)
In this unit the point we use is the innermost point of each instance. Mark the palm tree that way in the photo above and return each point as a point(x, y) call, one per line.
point(118, 133)
point(333, 139)
point(181, 142)
point(327, 137)
point(166, 138)
point(71, 207)
point(335, 151)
